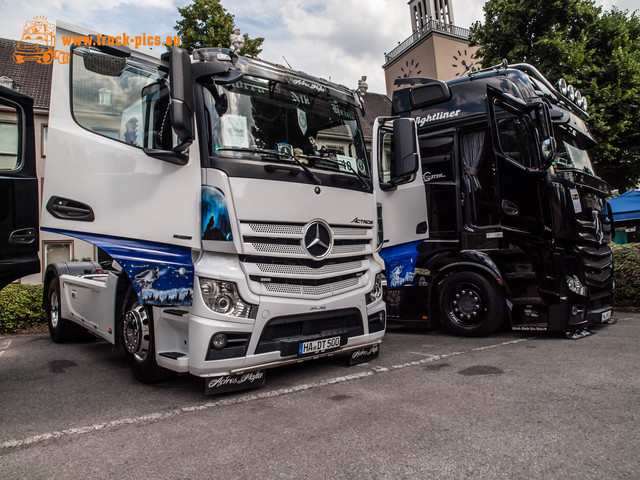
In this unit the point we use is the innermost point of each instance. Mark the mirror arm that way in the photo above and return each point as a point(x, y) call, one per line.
point(171, 156)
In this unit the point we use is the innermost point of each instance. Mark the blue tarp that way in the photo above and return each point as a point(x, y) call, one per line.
point(626, 207)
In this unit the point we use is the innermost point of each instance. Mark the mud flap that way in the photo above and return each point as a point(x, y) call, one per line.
point(364, 354)
point(578, 334)
point(234, 383)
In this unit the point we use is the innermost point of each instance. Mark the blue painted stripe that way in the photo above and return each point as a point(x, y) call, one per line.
point(161, 274)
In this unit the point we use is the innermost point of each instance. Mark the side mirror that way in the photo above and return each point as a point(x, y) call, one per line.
point(181, 108)
point(182, 101)
point(405, 148)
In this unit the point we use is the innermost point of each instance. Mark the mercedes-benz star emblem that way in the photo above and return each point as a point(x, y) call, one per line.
point(317, 240)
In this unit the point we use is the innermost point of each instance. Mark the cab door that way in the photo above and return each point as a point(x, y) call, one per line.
point(120, 173)
point(18, 188)
point(398, 188)
point(400, 194)
point(517, 131)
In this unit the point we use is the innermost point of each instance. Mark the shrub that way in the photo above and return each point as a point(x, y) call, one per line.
point(626, 260)
point(20, 307)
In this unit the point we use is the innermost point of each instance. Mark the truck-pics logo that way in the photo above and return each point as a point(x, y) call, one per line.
point(38, 43)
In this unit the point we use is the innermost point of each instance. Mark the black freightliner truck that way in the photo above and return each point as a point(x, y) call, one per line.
point(512, 233)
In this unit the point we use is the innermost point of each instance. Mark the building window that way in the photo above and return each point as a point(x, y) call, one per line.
point(43, 140)
point(104, 96)
point(57, 251)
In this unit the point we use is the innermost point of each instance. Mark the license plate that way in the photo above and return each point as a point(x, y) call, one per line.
point(316, 346)
point(606, 316)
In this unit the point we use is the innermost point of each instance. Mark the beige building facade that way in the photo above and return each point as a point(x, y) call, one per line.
point(437, 48)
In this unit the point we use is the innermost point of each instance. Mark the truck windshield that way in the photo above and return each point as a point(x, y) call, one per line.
point(570, 155)
point(269, 120)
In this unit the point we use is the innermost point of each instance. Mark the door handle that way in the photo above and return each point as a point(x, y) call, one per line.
point(509, 208)
point(67, 209)
point(25, 236)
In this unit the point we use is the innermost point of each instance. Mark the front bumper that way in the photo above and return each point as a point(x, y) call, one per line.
point(183, 343)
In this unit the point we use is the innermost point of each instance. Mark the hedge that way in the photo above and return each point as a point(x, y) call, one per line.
point(626, 259)
point(20, 307)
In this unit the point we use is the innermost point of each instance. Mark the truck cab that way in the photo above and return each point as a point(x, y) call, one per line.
point(233, 200)
point(501, 242)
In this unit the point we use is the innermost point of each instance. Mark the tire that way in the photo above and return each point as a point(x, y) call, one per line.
point(470, 305)
point(135, 324)
point(60, 330)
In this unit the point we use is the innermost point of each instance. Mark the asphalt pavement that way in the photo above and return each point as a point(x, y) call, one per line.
point(513, 405)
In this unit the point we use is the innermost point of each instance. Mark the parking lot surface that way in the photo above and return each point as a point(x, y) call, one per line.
point(513, 405)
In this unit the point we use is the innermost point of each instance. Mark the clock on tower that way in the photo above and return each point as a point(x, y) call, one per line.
point(464, 62)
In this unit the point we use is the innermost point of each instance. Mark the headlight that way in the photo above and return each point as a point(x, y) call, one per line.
point(576, 286)
point(376, 293)
point(223, 297)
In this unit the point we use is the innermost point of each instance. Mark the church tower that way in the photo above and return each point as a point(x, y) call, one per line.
point(437, 48)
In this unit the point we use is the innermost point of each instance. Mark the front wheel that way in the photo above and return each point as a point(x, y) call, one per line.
point(136, 326)
point(470, 304)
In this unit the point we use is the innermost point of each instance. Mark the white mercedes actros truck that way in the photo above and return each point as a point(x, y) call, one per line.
point(233, 200)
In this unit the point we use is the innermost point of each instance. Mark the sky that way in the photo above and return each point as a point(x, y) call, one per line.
point(340, 40)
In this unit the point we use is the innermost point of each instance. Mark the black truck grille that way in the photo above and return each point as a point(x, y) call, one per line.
point(598, 265)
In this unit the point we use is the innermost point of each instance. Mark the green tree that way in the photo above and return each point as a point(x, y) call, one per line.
point(206, 23)
point(598, 52)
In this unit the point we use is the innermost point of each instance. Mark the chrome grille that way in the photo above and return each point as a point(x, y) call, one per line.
point(290, 270)
point(276, 229)
point(275, 248)
point(342, 249)
point(276, 262)
point(320, 290)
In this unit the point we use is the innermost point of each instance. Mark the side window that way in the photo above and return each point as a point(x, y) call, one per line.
point(517, 136)
point(439, 178)
point(437, 158)
point(120, 98)
point(10, 135)
point(478, 175)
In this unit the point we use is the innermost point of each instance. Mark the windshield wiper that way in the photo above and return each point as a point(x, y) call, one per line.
point(340, 163)
point(276, 154)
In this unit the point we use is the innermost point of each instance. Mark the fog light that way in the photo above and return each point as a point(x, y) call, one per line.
point(219, 341)
point(576, 310)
